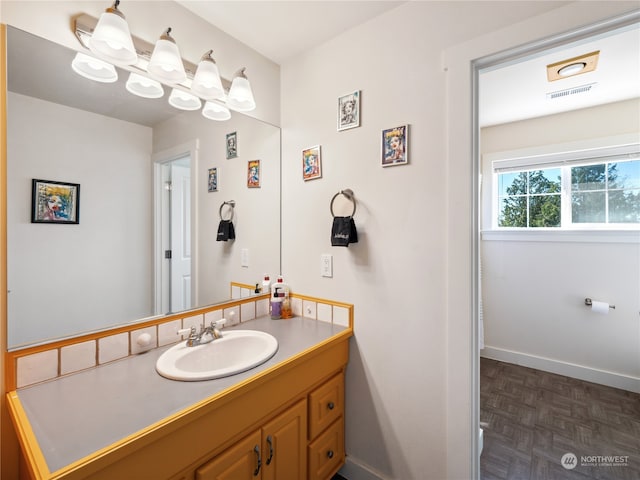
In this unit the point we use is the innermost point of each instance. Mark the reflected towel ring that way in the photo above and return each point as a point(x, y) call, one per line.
point(347, 193)
point(232, 204)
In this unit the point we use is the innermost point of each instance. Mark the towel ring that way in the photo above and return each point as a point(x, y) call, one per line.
point(347, 193)
point(232, 204)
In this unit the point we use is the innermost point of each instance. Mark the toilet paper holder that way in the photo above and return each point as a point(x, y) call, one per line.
point(588, 302)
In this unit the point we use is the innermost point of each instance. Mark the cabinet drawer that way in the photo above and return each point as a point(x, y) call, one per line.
point(326, 453)
point(326, 404)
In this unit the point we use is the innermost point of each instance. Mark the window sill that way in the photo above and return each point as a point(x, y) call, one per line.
point(573, 236)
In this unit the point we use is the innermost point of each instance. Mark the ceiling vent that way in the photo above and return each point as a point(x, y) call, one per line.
point(567, 92)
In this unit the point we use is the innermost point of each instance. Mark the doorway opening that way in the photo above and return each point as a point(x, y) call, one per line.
point(501, 367)
point(175, 230)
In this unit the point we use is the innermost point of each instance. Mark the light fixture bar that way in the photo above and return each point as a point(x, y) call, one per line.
point(84, 25)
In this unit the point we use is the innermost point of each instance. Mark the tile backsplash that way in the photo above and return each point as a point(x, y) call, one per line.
point(81, 353)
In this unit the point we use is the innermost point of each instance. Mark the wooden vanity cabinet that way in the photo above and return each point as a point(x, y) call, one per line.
point(276, 451)
point(295, 409)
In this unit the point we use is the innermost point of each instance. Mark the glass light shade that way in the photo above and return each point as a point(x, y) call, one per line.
point(94, 69)
point(184, 100)
point(206, 82)
point(144, 87)
point(215, 111)
point(240, 95)
point(112, 41)
point(166, 63)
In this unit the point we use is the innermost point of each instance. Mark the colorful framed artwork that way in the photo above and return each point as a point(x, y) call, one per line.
point(349, 111)
point(212, 183)
point(232, 145)
point(395, 146)
point(253, 174)
point(55, 202)
point(311, 163)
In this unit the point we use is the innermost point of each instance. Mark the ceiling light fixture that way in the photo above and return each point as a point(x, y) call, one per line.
point(111, 38)
point(206, 82)
point(94, 69)
point(571, 69)
point(144, 87)
point(573, 66)
point(240, 94)
point(216, 111)
point(184, 100)
point(166, 62)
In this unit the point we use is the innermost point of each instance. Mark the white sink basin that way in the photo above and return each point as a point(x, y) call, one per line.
point(237, 351)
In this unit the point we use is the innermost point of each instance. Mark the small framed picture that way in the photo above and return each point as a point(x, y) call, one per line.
point(349, 111)
point(311, 163)
point(212, 183)
point(232, 145)
point(253, 174)
point(395, 146)
point(55, 202)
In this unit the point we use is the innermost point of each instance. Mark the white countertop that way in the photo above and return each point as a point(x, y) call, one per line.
point(74, 416)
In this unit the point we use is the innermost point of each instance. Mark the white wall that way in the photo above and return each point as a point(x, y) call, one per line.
point(534, 290)
point(53, 142)
point(257, 213)
point(147, 20)
point(409, 380)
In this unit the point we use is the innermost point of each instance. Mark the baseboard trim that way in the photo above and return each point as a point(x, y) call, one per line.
point(354, 470)
point(580, 372)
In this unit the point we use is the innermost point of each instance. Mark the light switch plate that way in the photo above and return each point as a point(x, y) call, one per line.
point(326, 265)
point(244, 257)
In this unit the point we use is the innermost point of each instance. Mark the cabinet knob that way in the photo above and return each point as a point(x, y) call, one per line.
point(331, 405)
point(330, 454)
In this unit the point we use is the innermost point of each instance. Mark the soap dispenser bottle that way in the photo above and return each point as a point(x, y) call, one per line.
point(266, 284)
point(276, 297)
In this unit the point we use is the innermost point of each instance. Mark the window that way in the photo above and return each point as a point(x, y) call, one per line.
point(580, 193)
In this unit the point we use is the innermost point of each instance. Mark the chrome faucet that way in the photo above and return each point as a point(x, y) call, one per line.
point(206, 334)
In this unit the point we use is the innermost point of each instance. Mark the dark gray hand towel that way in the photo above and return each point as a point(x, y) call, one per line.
point(225, 231)
point(343, 232)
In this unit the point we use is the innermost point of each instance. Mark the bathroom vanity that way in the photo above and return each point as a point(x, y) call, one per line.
point(281, 420)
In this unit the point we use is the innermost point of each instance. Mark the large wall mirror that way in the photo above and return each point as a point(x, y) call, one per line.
point(143, 168)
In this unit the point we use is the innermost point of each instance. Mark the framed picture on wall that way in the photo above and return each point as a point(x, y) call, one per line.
point(349, 111)
point(232, 145)
point(253, 174)
point(395, 146)
point(212, 183)
point(311, 163)
point(55, 202)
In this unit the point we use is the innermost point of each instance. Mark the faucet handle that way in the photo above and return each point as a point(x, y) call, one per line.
point(219, 323)
point(186, 331)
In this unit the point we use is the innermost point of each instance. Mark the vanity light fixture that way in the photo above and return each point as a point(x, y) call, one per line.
point(206, 82)
point(166, 62)
point(240, 95)
point(94, 69)
point(216, 111)
point(111, 39)
point(184, 100)
point(143, 86)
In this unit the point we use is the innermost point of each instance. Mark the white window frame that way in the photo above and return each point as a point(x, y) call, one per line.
point(593, 151)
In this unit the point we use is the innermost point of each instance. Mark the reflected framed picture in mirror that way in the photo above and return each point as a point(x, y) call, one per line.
point(253, 174)
point(55, 202)
point(232, 145)
point(212, 183)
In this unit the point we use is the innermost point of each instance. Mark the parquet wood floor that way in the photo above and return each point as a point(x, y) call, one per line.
point(532, 418)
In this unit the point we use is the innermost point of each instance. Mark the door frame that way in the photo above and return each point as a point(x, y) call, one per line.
point(478, 64)
point(160, 159)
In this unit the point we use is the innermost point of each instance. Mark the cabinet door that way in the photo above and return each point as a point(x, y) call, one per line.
point(283, 445)
point(242, 461)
